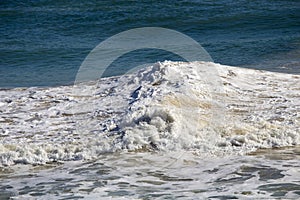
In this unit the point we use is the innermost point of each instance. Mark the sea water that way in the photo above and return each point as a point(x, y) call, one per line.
point(43, 43)
point(167, 131)
point(163, 131)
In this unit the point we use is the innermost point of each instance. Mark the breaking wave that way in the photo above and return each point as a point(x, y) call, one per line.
point(169, 106)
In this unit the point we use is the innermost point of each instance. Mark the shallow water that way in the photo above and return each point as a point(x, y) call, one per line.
point(148, 110)
point(130, 143)
point(169, 134)
point(265, 174)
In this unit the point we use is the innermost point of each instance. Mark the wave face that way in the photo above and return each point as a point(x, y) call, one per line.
point(206, 108)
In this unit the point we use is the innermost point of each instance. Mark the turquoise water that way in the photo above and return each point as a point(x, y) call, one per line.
point(44, 42)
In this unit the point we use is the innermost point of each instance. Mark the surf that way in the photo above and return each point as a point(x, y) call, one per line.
point(166, 107)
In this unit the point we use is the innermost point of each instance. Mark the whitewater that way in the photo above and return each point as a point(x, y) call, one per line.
point(201, 120)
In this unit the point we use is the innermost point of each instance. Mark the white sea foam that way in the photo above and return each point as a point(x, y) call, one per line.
point(205, 108)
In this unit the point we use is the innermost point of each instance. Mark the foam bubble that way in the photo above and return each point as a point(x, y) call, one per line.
point(165, 107)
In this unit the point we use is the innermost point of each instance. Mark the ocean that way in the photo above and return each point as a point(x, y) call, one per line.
point(43, 43)
point(209, 108)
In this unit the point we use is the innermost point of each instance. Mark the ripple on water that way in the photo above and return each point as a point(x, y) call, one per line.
point(260, 175)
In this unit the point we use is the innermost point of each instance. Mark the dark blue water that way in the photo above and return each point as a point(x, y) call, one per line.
point(43, 42)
